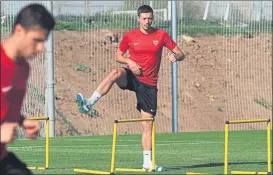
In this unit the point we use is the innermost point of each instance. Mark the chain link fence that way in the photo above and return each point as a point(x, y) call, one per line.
point(227, 73)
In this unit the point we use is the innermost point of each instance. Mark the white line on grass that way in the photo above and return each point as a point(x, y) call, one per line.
point(163, 143)
point(139, 140)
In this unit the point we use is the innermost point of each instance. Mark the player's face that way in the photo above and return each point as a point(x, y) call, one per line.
point(145, 20)
point(32, 42)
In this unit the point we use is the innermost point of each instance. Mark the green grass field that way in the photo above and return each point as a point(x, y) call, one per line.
point(178, 152)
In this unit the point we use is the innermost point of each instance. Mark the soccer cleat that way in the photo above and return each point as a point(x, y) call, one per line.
point(82, 104)
point(159, 168)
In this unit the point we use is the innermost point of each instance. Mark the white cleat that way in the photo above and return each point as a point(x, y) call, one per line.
point(157, 168)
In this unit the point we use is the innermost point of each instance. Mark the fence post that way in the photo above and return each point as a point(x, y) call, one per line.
point(174, 73)
point(50, 78)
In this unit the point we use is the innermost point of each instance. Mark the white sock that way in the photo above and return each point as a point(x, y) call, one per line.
point(147, 158)
point(94, 98)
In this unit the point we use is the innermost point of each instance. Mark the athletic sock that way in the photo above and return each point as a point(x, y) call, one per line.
point(94, 98)
point(147, 158)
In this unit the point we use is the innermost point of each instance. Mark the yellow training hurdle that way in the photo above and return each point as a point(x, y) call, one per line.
point(47, 144)
point(113, 158)
point(248, 172)
point(227, 123)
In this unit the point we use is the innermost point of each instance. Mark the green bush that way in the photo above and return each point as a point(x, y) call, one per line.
point(187, 27)
point(81, 67)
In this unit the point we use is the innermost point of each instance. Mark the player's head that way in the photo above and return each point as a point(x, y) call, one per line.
point(31, 28)
point(145, 16)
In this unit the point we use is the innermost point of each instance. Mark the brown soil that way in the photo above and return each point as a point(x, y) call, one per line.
point(219, 80)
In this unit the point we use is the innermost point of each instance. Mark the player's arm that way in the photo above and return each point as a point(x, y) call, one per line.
point(31, 127)
point(8, 132)
point(8, 129)
point(178, 54)
point(120, 58)
point(122, 49)
point(135, 68)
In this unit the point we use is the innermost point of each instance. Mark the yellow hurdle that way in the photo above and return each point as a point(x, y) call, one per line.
point(248, 172)
point(153, 146)
point(37, 118)
point(269, 166)
point(192, 173)
point(90, 171)
point(114, 144)
point(134, 120)
point(226, 150)
point(248, 121)
point(47, 144)
point(36, 168)
point(114, 148)
point(132, 170)
point(115, 140)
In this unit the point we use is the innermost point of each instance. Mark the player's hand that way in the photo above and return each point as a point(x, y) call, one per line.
point(135, 68)
point(8, 132)
point(172, 58)
point(31, 127)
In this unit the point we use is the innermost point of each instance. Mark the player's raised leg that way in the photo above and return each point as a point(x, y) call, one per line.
point(117, 75)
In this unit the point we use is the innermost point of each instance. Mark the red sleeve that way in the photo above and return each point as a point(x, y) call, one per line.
point(5, 87)
point(168, 42)
point(13, 89)
point(3, 106)
point(124, 44)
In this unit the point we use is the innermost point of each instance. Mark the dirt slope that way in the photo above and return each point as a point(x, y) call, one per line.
point(219, 80)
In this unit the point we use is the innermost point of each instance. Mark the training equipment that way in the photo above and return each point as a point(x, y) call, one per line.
point(268, 143)
point(227, 123)
point(46, 119)
point(248, 172)
point(113, 169)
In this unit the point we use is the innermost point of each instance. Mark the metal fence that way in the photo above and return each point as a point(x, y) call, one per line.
point(227, 73)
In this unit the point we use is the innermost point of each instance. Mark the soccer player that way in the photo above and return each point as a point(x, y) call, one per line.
point(145, 45)
point(31, 28)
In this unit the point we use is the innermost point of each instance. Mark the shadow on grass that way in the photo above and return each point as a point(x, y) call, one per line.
point(212, 165)
point(171, 168)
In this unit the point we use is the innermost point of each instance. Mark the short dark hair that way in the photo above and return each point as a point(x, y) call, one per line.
point(144, 9)
point(35, 15)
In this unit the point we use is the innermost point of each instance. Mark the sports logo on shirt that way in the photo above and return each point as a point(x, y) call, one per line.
point(155, 42)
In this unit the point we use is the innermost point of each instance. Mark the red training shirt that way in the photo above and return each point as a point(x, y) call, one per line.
point(14, 77)
point(146, 51)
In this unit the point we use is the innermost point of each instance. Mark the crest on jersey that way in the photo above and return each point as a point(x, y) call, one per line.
point(155, 42)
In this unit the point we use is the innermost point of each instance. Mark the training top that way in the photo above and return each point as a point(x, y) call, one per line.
point(146, 51)
point(14, 77)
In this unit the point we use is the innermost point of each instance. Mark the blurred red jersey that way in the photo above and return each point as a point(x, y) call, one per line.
point(146, 51)
point(14, 77)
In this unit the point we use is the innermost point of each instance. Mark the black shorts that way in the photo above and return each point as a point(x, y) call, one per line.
point(146, 94)
point(12, 165)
